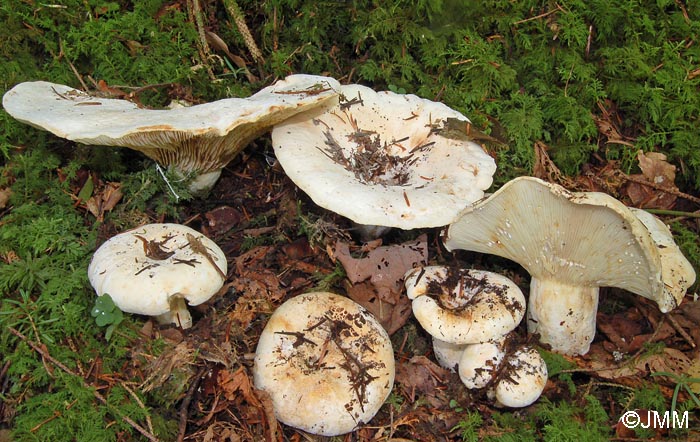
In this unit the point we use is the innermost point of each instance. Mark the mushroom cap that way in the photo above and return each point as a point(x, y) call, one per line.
point(377, 159)
point(585, 239)
point(141, 284)
point(676, 271)
point(479, 363)
point(525, 377)
point(463, 306)
point(327, 363)
point(199, 138)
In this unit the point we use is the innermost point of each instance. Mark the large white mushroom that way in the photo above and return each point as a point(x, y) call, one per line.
point(152, 270)
point(571, 244)
point(327, 364)
point(382, 159)
point(198, 140)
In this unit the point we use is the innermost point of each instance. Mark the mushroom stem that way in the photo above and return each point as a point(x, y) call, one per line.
point(178, 314)
point(552, 300)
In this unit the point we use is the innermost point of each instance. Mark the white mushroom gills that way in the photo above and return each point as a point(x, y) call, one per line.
point(195, 140)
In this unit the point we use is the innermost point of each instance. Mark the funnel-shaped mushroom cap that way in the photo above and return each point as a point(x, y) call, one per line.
point(676, 271)
point(379, 158)
point(201, 138)
point(327, 363)
point(571, 244)
point(151, 270)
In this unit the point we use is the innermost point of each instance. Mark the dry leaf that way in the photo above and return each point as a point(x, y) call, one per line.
point(669, 360)
point(658, 172)
point(383, 266)
point(4, 197)
point(391, 313)
point(378, 278)
point(420, 375)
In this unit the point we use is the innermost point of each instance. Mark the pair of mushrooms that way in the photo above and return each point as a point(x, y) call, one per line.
point(377, 158)
point(469, 314)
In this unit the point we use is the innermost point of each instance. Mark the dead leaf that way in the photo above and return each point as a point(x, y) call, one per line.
point(5, 197)
point(391, 313)
point(657, 172)
point(104, 199)
point(420, 375)
point(383, 268)
point(220, 220)
point(669, 360)
point(237, 384)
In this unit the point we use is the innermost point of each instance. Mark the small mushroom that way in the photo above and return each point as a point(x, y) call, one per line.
point(522, 380)
point(153, 269)
point(447, 354)
point(571, 243)
point(381, 159)
point(327, 364)
point(197, 140)
point(479, 363)
point(464, 306)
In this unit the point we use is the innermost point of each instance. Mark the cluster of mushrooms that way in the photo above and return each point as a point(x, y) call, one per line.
point(382, 160)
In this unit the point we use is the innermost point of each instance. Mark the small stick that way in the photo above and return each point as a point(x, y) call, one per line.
point(184, 407)
point(677, 193)
point(198, 247)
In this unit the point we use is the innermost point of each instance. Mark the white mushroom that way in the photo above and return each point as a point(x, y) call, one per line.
point(381, 159)
point(522, 379)
point(197, 140)
point(153, 269)
point(464, 306)
point(479, 363)
point(327, 364)
point(571, 244)
point(447, 354)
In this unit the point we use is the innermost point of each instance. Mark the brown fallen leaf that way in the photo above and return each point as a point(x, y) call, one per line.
point(220, 220)
point(5, 194)
point(669, 360)
point(104, 199)
point(657, 172)
point(383, 269)
point(420, 375)
point(392, 313)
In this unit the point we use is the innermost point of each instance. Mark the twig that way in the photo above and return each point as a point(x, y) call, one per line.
point(537, 17)
point(235, 12)
point(184, 407)
point(44, 354)
point(195, 10)
point(680, 330)
point(676, 213)
point(654, 186)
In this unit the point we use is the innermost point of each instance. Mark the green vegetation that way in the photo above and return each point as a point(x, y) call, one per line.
point(525, 72)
